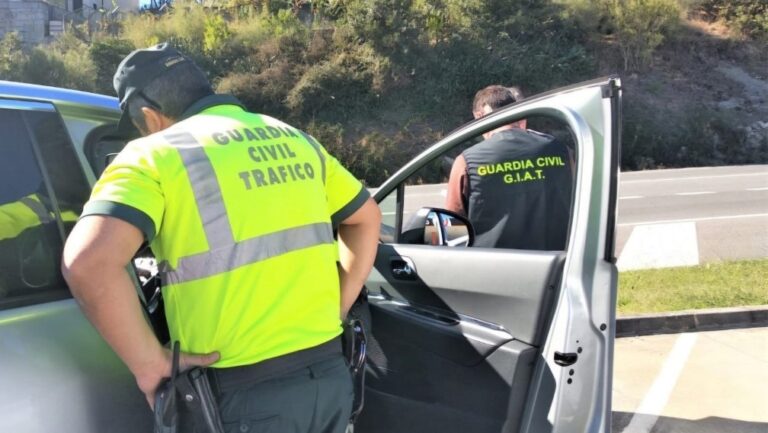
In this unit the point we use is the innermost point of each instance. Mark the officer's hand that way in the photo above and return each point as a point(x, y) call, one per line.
point(149, 382)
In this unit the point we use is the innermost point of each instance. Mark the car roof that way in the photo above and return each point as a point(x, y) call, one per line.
point(58, 96)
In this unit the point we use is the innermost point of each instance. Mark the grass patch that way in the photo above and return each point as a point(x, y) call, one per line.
point(727, 284)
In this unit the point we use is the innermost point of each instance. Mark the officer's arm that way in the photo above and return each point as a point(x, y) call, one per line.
point(94, 264)
point(358, 241)
point(454, 199)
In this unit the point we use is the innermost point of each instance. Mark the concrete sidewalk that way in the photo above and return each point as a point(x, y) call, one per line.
point(702, 382)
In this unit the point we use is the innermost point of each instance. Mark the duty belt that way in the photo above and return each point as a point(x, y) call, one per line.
point(233, 378)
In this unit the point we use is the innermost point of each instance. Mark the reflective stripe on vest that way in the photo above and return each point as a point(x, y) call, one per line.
point(206, 188)
point(40, 211)
point(224, 253)
point(249, 251)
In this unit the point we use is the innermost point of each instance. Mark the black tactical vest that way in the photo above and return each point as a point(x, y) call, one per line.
point(519, 191)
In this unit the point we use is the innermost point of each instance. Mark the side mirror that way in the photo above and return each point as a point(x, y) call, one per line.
point(434, 226)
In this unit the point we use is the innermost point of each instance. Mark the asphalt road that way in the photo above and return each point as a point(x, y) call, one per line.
point(703, 382)
point(698, 215)
point(673, 217)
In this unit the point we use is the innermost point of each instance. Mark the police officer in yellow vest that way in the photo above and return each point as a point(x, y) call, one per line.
point(24, 264)
point(28, 212)
point(240, 210)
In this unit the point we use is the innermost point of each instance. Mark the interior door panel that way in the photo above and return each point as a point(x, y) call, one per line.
point(512, 294)
point(451, 350)
point(460, 339)
point(417, 388)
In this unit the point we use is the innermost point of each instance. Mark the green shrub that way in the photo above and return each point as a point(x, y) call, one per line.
point(215, 35)
point(251, 31)
point(65, 63)
point(184, 26)
point(331, 136)
point(367, 157)
point(371, 156)
point(106, 54)
point(749, 18)
point(12, 57)
point(263, 92)
point(752, 20)
point(390, 25)
point(699, 136)
point(640, 26)
point(378, 80)
point(341, 88)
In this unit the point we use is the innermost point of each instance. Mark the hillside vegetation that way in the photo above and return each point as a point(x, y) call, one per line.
point(378, 80)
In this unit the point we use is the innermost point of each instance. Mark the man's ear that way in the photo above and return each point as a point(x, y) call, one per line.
point(155, 120)
point(485, 111)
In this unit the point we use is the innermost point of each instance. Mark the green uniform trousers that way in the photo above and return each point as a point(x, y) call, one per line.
point(314, 399)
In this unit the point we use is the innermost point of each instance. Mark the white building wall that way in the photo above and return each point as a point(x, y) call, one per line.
point(28, 18)
point(128, 5)
point(125, 5)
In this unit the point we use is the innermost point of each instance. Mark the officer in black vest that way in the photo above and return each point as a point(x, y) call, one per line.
point(515, 186)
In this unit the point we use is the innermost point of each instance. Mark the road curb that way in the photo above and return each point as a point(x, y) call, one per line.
point(692, 320)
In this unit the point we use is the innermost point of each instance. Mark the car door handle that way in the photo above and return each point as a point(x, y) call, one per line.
point(402, 268)
point(565, 359)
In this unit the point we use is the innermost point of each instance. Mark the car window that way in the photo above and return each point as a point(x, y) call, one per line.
point(42, 192)
point(66, 175)
point(388, 208)
point(515, 186)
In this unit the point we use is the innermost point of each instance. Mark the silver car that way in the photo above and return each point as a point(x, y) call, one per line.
point(460, 338)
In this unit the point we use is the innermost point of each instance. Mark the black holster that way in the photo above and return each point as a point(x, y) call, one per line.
point(353, 347)
point(185, 403)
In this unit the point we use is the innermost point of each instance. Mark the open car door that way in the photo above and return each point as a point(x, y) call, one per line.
point(466, 339)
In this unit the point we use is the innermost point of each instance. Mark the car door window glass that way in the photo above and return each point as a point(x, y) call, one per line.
point(516, 187)
point(68, 181)
point(30, 237)
point(388, 208)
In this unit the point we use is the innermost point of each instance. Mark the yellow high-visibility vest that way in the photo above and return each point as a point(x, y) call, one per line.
point(17, 216)
point(239, 209)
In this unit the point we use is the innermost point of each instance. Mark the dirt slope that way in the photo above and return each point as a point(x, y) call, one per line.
point(704, 85)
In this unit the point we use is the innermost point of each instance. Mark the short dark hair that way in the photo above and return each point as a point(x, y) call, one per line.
point(495, 96)
point(171, 93)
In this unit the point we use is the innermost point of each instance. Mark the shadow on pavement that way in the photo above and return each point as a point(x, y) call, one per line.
point(711, 424)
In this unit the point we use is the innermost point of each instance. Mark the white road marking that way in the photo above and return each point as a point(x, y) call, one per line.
point(758, 189)
point(695, 193)
point(656, 399)
point(660, 246)
point(687, 220)
point(630, 197)
point(693, 178)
